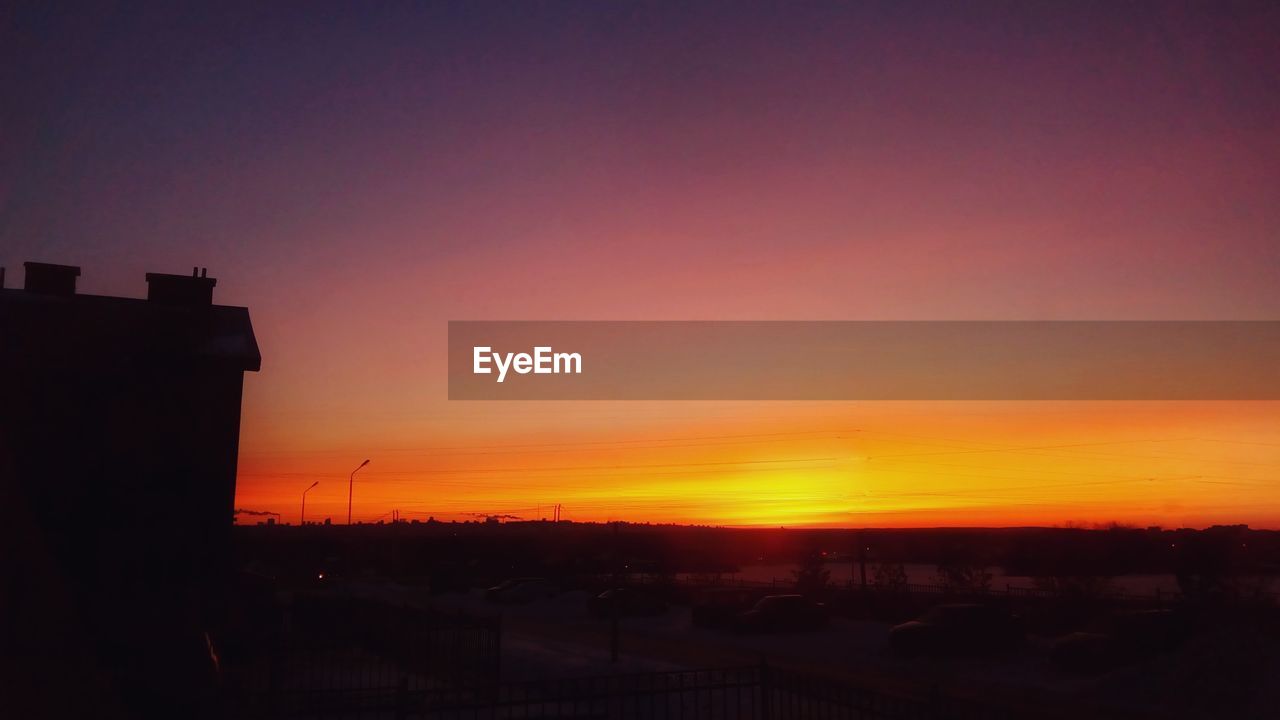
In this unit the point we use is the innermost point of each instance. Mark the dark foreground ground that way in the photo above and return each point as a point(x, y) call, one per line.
point(1224, 664)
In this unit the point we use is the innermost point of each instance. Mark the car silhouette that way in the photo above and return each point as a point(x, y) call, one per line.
point(1124, 637)
point(781, 613)
point(519, 591)
point(626, 602)
point(959, 629)
point(717, 607)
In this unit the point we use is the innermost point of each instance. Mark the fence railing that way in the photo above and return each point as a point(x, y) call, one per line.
point(342, 656)
point(757, 692)
point(1155, 597)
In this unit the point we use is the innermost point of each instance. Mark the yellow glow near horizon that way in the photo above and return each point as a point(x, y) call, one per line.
point(820, 464)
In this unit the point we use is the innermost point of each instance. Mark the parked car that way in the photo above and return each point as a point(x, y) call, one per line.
point(518, 591)
point(626, 602)
point(1123, 638)
point(960, 629)
point(717, 607)
point(1084, 652)
point(782, 613)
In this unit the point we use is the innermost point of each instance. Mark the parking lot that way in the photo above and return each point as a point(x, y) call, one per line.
point(558, 637)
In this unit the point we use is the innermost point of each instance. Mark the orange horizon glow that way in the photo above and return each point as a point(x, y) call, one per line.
point(1185, 464)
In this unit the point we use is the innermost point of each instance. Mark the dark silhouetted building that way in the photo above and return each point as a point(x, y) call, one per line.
point(119, 427)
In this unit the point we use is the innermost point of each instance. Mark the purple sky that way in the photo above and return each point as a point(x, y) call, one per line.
point(359, 175)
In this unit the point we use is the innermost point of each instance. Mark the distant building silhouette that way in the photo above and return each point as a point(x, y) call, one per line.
point(119, 429)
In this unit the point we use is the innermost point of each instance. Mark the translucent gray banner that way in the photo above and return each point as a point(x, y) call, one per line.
point(864, 360)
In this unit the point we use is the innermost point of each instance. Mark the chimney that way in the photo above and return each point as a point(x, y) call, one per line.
point(195, 290)
point(50, 279)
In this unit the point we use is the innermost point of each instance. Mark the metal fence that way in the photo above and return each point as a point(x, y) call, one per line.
point(349, 658)
point(743, 693)
point(1156, 597)
point(712, 694)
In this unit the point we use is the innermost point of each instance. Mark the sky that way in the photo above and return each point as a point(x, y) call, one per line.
point(358, 176)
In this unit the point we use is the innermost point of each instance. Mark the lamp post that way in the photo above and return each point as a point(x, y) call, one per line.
point(302, 516)
point(351, 483)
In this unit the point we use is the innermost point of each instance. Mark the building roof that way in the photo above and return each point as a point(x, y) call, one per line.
point(60, 330)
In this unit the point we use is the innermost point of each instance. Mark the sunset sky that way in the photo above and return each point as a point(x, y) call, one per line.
point(359, 176)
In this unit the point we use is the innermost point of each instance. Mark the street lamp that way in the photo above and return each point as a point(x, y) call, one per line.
point(351, 484)
point(302, 516)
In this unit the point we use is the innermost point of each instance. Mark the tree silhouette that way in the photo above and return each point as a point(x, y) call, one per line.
point(812, 576)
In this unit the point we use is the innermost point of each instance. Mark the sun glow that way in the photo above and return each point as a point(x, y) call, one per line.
point(813, 465)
